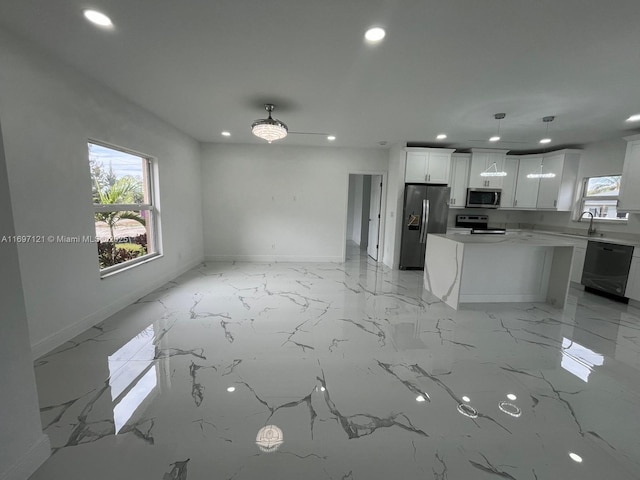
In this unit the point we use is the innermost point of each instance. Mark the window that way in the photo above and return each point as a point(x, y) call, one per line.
point(125, 216)
point(600, 198)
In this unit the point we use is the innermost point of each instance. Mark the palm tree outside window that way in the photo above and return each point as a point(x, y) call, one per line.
point(124, 212)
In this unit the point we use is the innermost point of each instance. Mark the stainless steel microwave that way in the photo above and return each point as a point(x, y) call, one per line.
point(483, 197)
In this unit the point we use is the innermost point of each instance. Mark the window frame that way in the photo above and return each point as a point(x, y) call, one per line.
point(153, 230)
point(583, 198)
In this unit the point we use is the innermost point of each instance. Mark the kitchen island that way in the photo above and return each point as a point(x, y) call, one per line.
point(516, 267)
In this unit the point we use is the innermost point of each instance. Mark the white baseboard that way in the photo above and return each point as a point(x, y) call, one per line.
point(30, 461)
point(272, 258)
point(58, 338)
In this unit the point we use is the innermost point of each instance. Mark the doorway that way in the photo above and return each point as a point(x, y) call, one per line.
point(364, 213)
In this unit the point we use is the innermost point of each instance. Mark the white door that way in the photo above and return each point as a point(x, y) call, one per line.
point(374, 216)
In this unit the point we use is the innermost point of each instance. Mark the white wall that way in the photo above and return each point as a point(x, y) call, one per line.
point(364, 214)
point(394, 206)
point(23, 447)
point(356, 230)
point(279, 202)
point(48, 112)
point(351, 206)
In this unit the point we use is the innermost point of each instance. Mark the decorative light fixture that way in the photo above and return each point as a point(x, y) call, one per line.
point(269, 129)
point(493, 173)
point(540, 174)
point(497, 116)
point(547, 120)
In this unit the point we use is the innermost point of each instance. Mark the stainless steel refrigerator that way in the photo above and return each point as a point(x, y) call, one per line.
point(426, 210)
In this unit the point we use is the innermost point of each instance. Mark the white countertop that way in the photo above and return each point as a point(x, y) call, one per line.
point(510, 238)
point(568, 236)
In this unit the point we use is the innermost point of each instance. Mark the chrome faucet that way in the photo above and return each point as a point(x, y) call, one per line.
point(590, 230)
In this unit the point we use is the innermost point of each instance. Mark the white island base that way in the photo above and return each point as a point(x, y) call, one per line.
point(463, 268)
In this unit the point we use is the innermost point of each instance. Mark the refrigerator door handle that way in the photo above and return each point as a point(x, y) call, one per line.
point(425, 221)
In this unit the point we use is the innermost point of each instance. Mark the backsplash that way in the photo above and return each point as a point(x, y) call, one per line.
point(551, 222)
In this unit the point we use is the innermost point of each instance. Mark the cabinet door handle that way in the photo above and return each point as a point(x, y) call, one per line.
point(515, 203)
point(555, 203)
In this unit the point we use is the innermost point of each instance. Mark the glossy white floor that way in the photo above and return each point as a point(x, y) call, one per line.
point(354, 371)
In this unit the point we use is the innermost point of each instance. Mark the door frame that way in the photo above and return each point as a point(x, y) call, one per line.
point(383, 209)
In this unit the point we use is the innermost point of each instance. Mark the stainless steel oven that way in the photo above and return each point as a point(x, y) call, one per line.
point(483, 197)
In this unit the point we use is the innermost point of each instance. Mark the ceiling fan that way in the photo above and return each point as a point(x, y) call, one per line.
point(271, 129)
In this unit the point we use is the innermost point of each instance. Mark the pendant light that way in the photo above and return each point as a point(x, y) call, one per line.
point(545, 140)
point(497, 116)
point(269, 129)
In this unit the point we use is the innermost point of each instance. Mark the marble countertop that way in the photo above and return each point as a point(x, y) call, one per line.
point(510, 238)
point(595, 238)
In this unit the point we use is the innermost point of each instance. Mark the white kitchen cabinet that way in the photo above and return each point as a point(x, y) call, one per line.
point(459, 179)
point(526, 196)
point(557, 193)
point(630, 183)
point(428, 165)
point(577, 263)
point(633, 283)
point(509, 182)
point(486, 160)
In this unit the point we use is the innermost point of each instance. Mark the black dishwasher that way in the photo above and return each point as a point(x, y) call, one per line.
point(606, 267)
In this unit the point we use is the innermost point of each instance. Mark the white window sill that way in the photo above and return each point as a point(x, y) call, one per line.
point(123, 267)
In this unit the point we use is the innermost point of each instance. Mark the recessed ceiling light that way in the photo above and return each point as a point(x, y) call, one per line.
point(98, 18)
point(494, 139)
point(331, 138)
point(545, 140)
point(226, 134)
point(575, 457)
point(634, 118)
point(441, 136)
point(466, 399)
point(231, 389)
point(511, 396)
point(420, 398)
point(375, 34)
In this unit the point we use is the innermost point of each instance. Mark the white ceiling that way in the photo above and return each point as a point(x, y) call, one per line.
point(445, 65)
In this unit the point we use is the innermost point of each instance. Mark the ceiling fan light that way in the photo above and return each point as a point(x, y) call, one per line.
point(269, 129)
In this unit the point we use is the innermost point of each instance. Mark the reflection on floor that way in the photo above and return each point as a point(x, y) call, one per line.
point(342, 371)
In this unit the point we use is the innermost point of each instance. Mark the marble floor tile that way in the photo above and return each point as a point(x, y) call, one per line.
point(342, 371)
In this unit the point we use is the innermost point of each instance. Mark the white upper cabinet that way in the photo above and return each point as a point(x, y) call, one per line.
point(428, 165)
point(486, 160)
point(527, 188)
point(509, 182)
point(630, 183)
point(459, 179)
point(557, 192)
